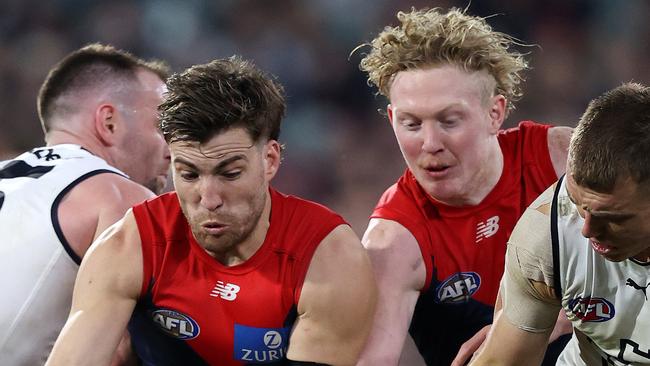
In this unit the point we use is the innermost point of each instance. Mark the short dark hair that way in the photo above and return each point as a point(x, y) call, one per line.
point(612, 139)
point(207, 99)
point(90, 66)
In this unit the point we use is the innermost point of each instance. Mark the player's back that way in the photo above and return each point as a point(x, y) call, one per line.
point(37, 265)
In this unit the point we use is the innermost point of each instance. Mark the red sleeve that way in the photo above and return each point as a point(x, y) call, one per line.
point(158, 220)
point(143, 220)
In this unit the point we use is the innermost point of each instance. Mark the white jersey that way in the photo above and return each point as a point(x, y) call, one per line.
point(607, 302)
point(37, 266)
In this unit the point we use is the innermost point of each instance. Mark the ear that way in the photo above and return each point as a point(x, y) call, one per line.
point(389, 112)
point(105, 124)
point(497, 112)
point(272, 158)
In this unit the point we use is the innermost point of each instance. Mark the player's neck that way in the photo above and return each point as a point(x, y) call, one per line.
point(485, 180)
point(67, 136)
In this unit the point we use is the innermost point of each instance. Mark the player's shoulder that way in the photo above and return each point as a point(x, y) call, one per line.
point(531, 237)
point(384, 234)
point(112, 189)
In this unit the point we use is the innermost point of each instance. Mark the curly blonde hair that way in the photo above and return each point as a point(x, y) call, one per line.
point(428, 37)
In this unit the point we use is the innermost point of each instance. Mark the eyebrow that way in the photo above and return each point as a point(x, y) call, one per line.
point(222, 164)
point(601, 214)
point(454, 108)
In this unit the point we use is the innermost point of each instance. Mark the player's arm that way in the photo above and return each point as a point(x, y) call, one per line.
point(558, 139)
point(520, 333)
point(472, 345)
point(400, 274)
point(111, 196)
point(105, 293)
point(336, 304)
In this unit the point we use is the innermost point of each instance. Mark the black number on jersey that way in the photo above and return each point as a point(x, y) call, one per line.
point(49, 156)
point(18, 169)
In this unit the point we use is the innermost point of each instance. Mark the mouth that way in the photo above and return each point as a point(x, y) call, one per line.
point(600, 248)
point(437, 171)
point(213, 227)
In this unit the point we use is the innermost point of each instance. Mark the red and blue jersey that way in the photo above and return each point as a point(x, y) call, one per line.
point(463, 248)
point(193, 310)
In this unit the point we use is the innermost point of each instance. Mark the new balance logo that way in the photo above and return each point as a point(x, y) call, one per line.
point(226, 291)
point(487, 229)
point(630, 282)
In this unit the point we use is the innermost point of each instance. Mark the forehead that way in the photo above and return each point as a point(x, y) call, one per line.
point(624, 196)
point(437, 87)
point(221, 146)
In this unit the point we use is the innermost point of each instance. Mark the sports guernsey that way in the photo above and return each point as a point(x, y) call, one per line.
point(607, 302)
point(463, 248)
point(193, 310)
point(37, 266)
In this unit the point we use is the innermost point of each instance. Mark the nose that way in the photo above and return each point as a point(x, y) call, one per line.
point(592, 227)
point(210, 194)
point(432, 138)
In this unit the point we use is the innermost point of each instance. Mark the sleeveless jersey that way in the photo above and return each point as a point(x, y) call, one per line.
point(606, 301)
point(195, 311)
point(463, 248)
point(37, 266)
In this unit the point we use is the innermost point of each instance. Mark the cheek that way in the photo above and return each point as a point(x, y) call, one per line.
point(410, 145)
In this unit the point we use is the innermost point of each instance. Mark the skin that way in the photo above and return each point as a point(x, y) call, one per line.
point(446, 124)
point(446, 129)
point(121, 128)
point(126, 137)
point(223, 190)
point(616, 224)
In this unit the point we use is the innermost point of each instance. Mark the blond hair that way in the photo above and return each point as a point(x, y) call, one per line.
point(431, 38)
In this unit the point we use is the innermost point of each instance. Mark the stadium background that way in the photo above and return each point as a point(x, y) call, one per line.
point(339, 150)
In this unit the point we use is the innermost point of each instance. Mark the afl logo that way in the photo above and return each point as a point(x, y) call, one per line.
point(458, 288)
point(175, 324)
point(592, 309)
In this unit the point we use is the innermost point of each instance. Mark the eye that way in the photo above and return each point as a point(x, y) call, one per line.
point(188, 175)
point(232, 174)
point(450, 122)
point(410, 124)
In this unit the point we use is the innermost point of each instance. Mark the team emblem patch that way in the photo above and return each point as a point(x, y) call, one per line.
point(592, 309)
point(458, 288)
point(260, 345)
point(175, 324)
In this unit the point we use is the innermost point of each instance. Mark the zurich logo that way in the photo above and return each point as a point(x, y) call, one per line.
point(592, 309)
point(260, 345)
point(458, 288)
point(175, 324)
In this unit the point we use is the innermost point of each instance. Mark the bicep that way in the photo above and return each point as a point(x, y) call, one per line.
point(400, 273)
point(105, 293)
point(336, 304)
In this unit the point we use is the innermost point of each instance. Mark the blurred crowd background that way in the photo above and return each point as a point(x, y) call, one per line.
point(339, 148)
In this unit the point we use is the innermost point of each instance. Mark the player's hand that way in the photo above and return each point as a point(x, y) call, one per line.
point(468, 348)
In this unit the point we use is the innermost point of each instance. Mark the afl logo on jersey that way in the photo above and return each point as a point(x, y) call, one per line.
point(458, 288)
point(175, 324)
point(592, 309)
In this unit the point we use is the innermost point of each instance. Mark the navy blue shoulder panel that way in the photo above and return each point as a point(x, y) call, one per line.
point(557, 286)
point(54, 214)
